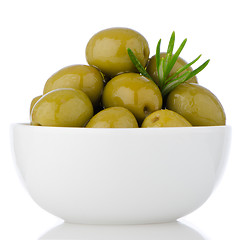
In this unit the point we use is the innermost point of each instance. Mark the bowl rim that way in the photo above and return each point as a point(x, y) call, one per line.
point(54, 128)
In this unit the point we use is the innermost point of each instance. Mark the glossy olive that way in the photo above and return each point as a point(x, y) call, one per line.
point(34, 101)
point(113, 117)
point(107, 50)
point(165, 118)
point(135, 92)
point(63, 108)
point(152, 68)
point(81, 77)
point(197, 104)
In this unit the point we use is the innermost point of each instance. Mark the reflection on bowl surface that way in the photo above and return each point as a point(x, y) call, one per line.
point(164, 231)
point(120, 176)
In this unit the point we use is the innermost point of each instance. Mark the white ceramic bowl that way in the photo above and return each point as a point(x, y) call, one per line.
point(120, 176)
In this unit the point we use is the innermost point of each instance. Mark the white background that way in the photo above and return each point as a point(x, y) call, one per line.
point(37, 38)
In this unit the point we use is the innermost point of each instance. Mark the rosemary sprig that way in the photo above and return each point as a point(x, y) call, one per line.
point(165, 64)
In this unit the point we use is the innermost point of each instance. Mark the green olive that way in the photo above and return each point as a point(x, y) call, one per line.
point(165, 118)
point(197, 104)
point(152, 69)
point(34, 101)
point(107, 50)
point(113, 117)
point(81, 77)
point(63, 108)
point(135, 92)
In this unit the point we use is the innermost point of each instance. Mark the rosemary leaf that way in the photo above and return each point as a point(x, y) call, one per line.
point(170, 86)
point(199, 69)
point(161, 73)
point(182, 69)
point(158, 57)
point(171, 43)
point(167, 61)
point(137, 64)
point(175, 57)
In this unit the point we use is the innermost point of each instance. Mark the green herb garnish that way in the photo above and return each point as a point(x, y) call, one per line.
point(137, 64)
point(165, 64)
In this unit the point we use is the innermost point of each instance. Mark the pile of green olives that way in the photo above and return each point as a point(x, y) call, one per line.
point(109, 92)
